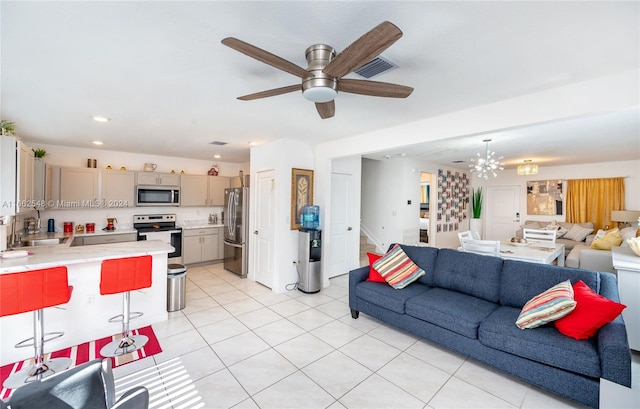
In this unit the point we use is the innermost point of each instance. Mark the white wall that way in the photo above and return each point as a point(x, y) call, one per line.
point(281, 156)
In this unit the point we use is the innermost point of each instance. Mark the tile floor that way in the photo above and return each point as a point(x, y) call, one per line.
point(238, 345)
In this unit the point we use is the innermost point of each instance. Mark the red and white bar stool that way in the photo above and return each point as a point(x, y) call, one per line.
point(123, 275)
point(33, 291)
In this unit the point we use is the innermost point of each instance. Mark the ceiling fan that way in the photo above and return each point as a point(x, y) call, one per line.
point(322, 79)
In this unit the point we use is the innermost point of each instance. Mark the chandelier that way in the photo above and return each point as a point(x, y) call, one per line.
point(486, 164)
point(527, 168)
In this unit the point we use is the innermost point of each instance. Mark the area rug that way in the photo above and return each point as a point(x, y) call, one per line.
point(88, 351)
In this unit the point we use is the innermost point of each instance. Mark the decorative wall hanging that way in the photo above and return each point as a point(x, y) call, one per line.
point(301, 194)
point(544, 197)
point(453, 198)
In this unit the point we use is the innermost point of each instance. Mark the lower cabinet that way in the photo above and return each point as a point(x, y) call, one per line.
point(199, 245)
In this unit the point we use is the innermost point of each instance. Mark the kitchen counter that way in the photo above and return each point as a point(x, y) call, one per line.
point(202, 225)
point(71, 236)
point(85, 317)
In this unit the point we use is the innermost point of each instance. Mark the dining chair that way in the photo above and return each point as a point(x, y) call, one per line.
point(465, 235)
point(486, 247)
point(540, 236)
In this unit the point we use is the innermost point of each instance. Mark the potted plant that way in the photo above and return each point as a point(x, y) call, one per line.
point(39, 153)
point(7, 127)
point(475, 224)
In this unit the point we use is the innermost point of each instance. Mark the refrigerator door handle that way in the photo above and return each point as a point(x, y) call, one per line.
point(230, 212)
point(226, 243)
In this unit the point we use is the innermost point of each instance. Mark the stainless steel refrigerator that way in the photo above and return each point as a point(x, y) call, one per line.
point(236, 230)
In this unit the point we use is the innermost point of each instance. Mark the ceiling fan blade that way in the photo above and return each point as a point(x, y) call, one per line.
point(363, 50)
point(326, 109)
point(271, 92)
point(266, 57)
point(374, 88)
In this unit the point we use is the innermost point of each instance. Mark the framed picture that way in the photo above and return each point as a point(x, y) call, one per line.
point(544, 197)
point(301, 194)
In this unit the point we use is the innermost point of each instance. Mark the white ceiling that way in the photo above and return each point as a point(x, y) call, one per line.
point(159, 71)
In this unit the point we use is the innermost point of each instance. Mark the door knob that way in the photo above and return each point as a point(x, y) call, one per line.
point(255, 232)
point(349, 228)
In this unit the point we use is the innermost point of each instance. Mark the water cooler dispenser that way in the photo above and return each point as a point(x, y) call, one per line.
point(309, 263)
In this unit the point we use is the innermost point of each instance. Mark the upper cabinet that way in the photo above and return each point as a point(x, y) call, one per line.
point(118, 188)
point(24, 191)
point(202, 190)
point(156, 178)
point(79, 185)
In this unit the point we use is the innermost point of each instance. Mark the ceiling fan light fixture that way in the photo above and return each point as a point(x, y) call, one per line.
point(320, 90)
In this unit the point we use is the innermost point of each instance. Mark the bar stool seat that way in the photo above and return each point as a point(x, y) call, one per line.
point(123, 275)
point(33, 291)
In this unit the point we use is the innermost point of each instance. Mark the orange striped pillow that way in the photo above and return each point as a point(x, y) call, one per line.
point(553, 304)
point(397, 268)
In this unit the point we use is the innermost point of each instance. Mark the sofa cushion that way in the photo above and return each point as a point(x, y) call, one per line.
point(373, 273)
point(543, 344)
point(548, 306)
point(397, 268)
point(578, 233)
point(383, 295)
point(591, 313)
point(456, 312)
point(469, 273)
point(613, 238)
point(521, 281)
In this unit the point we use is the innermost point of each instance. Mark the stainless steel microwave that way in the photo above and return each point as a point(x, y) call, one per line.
point(152, 195)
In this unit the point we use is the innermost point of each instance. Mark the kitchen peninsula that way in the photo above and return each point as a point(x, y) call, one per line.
point(85, 317)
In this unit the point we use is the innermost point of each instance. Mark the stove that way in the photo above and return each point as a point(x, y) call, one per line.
point(160, 227)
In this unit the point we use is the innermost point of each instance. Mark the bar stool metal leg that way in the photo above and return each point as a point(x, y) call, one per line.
point(127, 343)
point(41, 368)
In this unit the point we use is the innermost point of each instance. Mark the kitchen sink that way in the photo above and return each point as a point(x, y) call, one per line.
point(45, 242)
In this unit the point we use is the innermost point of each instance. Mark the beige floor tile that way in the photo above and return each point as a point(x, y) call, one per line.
point(303, 350)
point(370, 352)
point(261, 370)
point(218, 289)
point(208, 316)
point(536, 398)
point(259, 317)
point(176, 324)
point(179, 344)
point(335, 291)
point(271, 298)
point(457, 393)
point(279, 331)
point(393, 336)
point(499, 384)
point(221, 330)
point(336, 373)
point(201, 363)
point(199, 305)
point(310, 319)
point(230, 297)
point(240, 347)
point(295, 391)
point(437, 356)
point(289, 307)
point(414, 376)
point(335, 309)
point(313, 300)
point(243, 306)
point(377, 392)
point(220, 390)
point(336, 333)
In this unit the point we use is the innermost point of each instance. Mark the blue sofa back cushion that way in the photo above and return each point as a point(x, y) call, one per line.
point(469, 273)
point(425, 258)
point(522, 281)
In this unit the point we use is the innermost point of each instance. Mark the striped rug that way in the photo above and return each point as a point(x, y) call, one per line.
point(86, 352)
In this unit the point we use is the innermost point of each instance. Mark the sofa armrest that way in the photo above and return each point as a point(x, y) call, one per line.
point(613, 346)
point(596, 260)
point(356, 276)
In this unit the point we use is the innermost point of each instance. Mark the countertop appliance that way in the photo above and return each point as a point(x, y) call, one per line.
point(157, 195)
point(160, 227)
point(236, 230)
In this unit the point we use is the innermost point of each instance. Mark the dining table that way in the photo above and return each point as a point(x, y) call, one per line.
point(543, 253)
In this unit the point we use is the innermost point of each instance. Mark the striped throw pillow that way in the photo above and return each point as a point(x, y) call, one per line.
point(553, 304)
point(397, 268)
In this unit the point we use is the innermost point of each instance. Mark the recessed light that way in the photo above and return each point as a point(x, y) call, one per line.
point(252, 143)
point(100, 118)
point(98, 142)
point(217, 156)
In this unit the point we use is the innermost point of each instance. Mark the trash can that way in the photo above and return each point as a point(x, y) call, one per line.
point(176, 287)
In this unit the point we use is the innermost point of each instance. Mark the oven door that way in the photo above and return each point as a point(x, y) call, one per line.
point(172, 237)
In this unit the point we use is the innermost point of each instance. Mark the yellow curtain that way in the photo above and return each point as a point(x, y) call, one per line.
point(592, 200)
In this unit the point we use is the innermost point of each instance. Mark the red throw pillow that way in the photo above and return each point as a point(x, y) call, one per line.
point(592, 312)
point(373, 274)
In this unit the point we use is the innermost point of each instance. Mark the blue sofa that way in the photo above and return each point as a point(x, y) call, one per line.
point(469, 303)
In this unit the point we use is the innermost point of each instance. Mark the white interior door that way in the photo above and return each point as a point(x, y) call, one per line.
point(502, 212)
point(342, 233)
point(264, 233)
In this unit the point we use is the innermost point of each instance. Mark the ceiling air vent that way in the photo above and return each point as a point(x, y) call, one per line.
point(218, 143)
point(375, 67)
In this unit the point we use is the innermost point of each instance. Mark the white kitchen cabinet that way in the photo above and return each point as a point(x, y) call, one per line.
point(118, 188)
point(24, 191)
point(79, 187)
point(194, 190)
point(202, 190)
point(200, 245)
point(217, 185)
point(8, 176)
point(42, 178)
point(157, 178)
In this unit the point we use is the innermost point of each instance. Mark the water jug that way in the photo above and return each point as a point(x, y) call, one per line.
point(311, 217)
